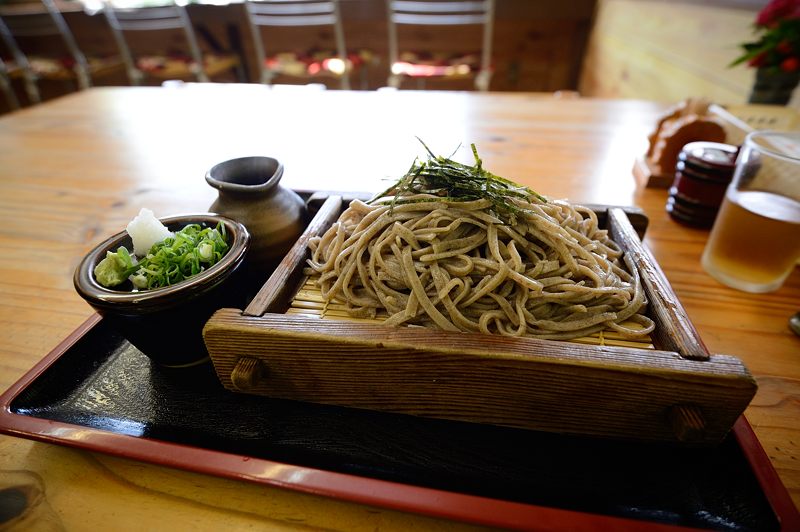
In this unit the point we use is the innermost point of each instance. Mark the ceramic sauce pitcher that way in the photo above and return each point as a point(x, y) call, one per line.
point(250, 192)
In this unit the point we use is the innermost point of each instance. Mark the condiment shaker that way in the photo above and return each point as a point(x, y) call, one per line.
point(702, 175)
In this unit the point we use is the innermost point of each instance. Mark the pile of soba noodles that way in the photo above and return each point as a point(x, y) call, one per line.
point(454, 247)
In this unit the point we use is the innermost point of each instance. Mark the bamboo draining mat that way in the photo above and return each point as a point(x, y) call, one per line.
point(308, 301)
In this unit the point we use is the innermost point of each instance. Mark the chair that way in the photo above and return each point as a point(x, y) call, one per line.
point(66, 63)
point(8, 90)
point(275, 13)
point(162, 66)
point(442, 13)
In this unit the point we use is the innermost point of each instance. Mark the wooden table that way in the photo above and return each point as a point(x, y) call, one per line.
point(77, 169)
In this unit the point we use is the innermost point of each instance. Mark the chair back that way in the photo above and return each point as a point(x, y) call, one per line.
point(261, 13)
point(146, 19)
point(7, 88)
point(443, 13)
point(16, 25)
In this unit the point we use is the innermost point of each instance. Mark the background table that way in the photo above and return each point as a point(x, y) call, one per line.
point(75, 170)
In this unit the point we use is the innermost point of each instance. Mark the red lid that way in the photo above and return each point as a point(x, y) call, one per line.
point(712, 155)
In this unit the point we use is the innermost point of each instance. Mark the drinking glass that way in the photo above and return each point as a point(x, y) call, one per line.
point(755, 241)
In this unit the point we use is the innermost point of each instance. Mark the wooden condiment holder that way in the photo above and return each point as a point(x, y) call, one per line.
point(675, 392)
point(688, 121)
point(696, 119)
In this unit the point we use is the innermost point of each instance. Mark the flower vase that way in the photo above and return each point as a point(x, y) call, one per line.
point(773, 86)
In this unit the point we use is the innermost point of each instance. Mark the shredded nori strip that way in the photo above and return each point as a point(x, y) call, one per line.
point(452, 181)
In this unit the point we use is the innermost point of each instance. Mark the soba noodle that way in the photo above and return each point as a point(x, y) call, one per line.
point(548, 271)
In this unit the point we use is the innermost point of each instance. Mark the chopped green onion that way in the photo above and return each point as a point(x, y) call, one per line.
point(189, 252)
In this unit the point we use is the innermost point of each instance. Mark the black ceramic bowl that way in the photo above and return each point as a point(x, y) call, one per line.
point(166, 323)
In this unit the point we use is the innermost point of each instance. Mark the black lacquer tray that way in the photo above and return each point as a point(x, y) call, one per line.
point(98, 383)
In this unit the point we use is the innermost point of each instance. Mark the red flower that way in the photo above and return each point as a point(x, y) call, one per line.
point(784, 47)
point(790, 64)
point(778, 10)
point(777, 31)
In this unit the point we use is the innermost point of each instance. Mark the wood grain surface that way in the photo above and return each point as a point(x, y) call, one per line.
point(666, 51)
point(513, 382)
point(76, 169)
